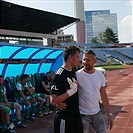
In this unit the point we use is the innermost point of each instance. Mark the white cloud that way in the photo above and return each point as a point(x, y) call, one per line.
point(125, 29)
point(129, 3)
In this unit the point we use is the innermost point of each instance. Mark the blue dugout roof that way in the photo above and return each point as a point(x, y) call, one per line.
point(27, 59)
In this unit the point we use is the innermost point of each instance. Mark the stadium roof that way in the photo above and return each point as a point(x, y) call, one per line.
point(20, 18)
point(28, 59)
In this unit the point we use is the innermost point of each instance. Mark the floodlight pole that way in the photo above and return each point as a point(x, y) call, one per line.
point(80, 26)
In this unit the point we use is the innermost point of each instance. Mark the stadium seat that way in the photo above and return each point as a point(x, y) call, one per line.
point(18, 78)
point(0, 122)
point(10, 84)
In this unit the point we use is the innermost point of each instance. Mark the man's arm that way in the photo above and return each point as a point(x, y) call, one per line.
point(44, 86)
point(29, 91)
point(5, 99)
point(22, 95)
point(32, 89)
point(5, 104)
point(56, 100)
point(104, 99)
point(106, 105)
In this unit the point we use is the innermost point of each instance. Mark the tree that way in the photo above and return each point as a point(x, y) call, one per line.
point(109, 36)
point(95, 40)
point(101, 38)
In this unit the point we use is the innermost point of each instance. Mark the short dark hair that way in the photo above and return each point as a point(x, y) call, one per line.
point(1, 76)
point(91, 52)
point(24, 76)
point(47, 73)
point(70, 50)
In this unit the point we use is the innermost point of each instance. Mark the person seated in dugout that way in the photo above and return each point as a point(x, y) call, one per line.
point(40, 98)
point(102, 70)
point(10, 105)
point(22, 98)
point(5, 120)
point(46, 83)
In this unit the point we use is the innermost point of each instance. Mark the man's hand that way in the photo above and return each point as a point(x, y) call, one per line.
point(73, 86)
point(61, 106)
point(27, 103)
point(110, 122)
point(8, 105)
point(32, 90)
point(34, 100)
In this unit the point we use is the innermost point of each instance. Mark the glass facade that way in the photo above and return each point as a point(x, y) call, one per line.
point(97, 21)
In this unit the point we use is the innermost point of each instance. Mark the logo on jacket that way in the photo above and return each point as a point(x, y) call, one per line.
point(54, 87)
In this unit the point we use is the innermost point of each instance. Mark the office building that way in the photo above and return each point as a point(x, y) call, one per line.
point(97, 21)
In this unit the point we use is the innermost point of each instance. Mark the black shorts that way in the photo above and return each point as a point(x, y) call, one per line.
point(69, 125)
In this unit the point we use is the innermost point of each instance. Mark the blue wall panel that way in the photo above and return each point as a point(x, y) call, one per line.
point(7, 51)
point(31, 68)
point(25, 54)
point(57, 64)
point(14, 69)
point(1, 68)
point(41, 54)
point(54, 54)
point(45, 67)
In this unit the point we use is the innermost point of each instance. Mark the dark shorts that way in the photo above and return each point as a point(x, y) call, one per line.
point(70, 125)
point(11, 103)
point(42, 90)
point(38, 95)
point(22, 101)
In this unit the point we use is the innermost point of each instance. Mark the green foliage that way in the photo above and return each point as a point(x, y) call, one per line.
point(108, 36)
point(101, 38)
point(95, 40)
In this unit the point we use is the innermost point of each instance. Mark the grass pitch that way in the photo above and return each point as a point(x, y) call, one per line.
point(112, 67)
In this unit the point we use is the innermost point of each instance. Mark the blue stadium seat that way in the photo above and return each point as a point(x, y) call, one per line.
point(10, 84)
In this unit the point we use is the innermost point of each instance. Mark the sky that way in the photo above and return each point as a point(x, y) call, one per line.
point(123, 8)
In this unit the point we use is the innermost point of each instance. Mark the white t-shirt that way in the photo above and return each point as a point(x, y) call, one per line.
point(4, 90)
point(19, 86)
point(89, 91)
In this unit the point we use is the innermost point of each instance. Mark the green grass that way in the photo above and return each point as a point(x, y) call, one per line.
point(111, 67)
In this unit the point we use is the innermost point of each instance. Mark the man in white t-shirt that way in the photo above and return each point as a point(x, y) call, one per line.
point(92, 84)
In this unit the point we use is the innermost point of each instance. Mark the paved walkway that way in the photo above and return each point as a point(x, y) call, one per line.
point(120, 92)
